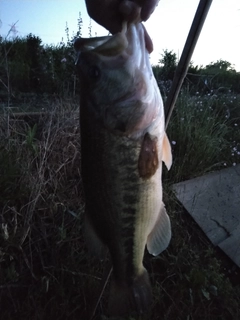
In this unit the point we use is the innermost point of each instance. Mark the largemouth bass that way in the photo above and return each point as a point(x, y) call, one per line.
point(123, 144)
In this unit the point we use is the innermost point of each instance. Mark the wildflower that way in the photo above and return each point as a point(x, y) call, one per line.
point(182, 119)
point(234, 164)
point(174, 142)
point(64, 60)
point(235, 124)
point(225, 164)
point(238, 153)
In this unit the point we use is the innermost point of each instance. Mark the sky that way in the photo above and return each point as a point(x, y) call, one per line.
point(168, 26)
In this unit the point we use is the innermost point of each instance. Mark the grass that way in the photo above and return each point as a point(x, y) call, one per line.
point(204, 131)
point(45, 269)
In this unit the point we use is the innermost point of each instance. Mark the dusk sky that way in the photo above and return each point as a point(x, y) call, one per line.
point(168, 26)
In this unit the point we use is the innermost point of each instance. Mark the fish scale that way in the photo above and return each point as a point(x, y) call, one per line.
point(108, 184)
point(114, 180)
point(123, 143)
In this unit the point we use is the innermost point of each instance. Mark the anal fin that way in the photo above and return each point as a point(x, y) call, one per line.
point(159, 238)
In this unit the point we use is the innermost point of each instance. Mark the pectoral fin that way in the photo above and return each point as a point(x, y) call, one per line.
point(167, 153)
point(160, 236)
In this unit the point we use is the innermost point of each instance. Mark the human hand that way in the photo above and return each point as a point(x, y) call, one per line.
point(111, 13)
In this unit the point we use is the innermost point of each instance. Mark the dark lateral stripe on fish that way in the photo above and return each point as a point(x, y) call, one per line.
point(129, 212)
point(130, 198)
point(127, 162)
point(148, 158)
point(128, 221)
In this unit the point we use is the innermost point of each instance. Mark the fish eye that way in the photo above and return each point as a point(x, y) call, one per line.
point(94, 72)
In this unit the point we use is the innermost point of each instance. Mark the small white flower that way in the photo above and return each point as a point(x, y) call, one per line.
point(238, 153)
point(234, 164)
point(182, 119)
point(174, 142)
point(225, 164)
point(64, 60)
point(234, 149)
point(235, 124)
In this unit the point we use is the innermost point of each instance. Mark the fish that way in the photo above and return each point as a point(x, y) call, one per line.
point(123, 145)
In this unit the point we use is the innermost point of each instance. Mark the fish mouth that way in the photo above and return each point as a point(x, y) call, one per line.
point(130, 42)
point(108, 46)
point(136, 104)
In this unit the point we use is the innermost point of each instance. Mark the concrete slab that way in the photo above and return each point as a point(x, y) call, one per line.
point(231, 246)
point(213, 201)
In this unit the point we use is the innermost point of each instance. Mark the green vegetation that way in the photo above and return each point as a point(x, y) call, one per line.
point(46, 271)
point(205, 134)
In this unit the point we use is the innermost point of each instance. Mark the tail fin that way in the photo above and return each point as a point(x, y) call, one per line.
point(127, 299)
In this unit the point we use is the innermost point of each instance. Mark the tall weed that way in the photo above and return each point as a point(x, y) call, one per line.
point(201, 132)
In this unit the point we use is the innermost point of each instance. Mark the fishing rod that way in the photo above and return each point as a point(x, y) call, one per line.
point(182, 68)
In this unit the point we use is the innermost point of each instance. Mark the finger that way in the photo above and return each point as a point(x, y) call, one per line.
point(130, 11)
point(148, 8)
point(105, 12)
point(148, 41)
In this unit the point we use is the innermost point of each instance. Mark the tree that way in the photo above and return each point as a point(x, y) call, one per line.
point(34, 52)
point(169, 64)
point(220, 66)
point(223, 76)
